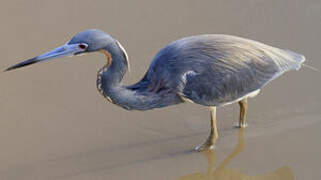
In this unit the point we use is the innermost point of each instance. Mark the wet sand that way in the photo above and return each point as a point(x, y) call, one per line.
point(55, 125)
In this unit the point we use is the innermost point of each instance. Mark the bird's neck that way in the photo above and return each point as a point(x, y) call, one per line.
point(115, 69)
point(109, 84)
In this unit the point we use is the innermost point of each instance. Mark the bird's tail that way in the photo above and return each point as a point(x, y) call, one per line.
point(297, 59)
point(300, 59)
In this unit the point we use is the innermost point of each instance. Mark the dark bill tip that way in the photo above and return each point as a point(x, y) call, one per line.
point(22, 64)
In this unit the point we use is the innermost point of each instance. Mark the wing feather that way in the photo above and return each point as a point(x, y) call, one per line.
point(224, 68)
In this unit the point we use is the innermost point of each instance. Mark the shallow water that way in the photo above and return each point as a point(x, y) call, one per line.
point(221, 171)
point(55, 125)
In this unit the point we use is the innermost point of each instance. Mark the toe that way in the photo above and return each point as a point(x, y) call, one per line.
point(204, 147)
point(243, 125)
point(240, 125)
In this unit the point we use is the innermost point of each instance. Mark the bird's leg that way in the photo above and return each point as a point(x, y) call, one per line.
point(243, 109)
point(210, 142)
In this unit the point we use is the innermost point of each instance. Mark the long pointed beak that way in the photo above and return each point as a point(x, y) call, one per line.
point(62, 51)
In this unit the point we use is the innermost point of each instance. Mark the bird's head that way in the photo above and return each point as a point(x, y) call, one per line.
point(83, 42)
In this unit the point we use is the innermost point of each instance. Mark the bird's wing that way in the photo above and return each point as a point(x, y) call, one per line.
point(215, 69)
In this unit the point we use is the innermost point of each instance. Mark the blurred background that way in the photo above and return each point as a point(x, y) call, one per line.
point(55, 125)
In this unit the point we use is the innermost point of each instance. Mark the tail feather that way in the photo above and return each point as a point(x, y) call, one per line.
point(297, 58)
point(300, 59)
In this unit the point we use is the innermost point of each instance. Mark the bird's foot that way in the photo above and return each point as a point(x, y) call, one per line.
point(207, 146)
point(240, 125)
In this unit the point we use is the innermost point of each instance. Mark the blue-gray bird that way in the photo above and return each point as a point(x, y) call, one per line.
point(211, 70)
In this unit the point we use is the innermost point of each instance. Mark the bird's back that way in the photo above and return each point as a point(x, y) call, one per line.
point(215, 69)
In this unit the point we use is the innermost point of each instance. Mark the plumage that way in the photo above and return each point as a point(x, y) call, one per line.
point(210, 70)
point(213, 70)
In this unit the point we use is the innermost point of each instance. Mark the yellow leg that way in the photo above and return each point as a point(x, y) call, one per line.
point(210, 142)
point(214, 133)
point(243, 110)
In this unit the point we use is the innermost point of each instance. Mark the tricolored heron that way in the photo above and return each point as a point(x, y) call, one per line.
point(211, 70)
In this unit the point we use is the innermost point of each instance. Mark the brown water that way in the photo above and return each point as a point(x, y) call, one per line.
point(55, 125)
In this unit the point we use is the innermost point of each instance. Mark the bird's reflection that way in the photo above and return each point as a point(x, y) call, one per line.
point(224, 173)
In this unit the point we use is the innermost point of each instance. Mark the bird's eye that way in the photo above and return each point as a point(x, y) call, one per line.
point(82, 46)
